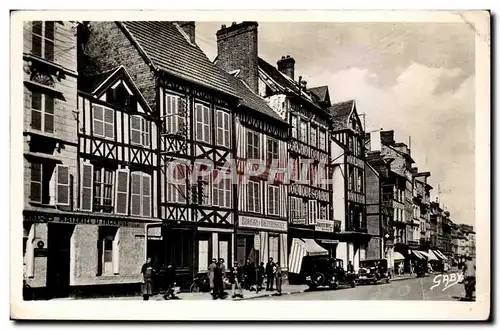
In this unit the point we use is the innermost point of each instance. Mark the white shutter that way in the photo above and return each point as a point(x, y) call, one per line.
point(202, 256)
point(313, 217)
point(62, 186)
point(146, 195)
point(135, 129)
point(121, 198)
point(135, 194)
point(86, 184)
point(116, 253)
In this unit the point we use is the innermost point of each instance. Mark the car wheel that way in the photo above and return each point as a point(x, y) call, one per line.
point(318, 279)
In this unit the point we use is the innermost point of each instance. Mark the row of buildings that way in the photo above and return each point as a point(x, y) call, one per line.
point(110, 106)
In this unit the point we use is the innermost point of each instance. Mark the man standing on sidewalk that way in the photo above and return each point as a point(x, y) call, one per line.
point(270, 272)
point(469, 277)
point(279, 279)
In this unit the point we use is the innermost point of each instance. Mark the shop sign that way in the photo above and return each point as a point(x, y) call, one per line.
point(264, 224)
point(40, 252)
point(329, 241)
point(82, 220)
point(324, 226)
point(256, 242)
point(299, 221)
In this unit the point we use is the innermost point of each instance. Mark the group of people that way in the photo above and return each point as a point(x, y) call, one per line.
point(249, 277)
point(148, 275)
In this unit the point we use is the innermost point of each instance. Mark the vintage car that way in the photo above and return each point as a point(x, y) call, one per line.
point(326, 272)
point(372, 271)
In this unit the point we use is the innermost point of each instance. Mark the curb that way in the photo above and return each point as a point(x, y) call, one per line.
point(271, 295)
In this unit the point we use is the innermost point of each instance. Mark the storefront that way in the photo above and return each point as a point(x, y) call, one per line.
point(214, 243)
point(77, 254)
point(259, 239)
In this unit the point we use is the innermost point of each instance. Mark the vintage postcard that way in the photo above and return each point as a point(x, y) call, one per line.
point(222, 165)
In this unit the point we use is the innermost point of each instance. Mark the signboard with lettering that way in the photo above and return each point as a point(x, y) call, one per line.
point(40, 252)
point(309, 192)
point(324, 226)
point(264, 224)
point(299, 221)
point(256, 242)
point(82, 220)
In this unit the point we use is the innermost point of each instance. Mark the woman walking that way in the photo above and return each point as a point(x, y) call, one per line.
point(147, 272)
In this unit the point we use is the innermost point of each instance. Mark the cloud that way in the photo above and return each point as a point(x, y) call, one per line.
point(440, 123)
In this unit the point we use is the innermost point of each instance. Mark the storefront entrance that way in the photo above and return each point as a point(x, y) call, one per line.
point(246, 248)
point(179, 251)
point(58, 259)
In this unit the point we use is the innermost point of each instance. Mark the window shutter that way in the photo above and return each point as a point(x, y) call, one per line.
point(199, 120)
point(135, 200)
point(116, 253)
point(87, 181)
point(135, 129)
point(146, 195)
point(121, 199)
point(63, 181)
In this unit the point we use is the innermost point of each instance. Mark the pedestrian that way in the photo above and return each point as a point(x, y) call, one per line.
point(400, 268)
point(270, 273)
point(235, 275)
point(469, 274)
point(170, 283)
point(279, 278)
point(350, 267)
point(248, 274)
point(218, 291)
point(411, 268)
point(211, 269)
point(260, 276)
point(147, 272)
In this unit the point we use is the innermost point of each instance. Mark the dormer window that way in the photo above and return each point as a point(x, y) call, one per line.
point(121, 97)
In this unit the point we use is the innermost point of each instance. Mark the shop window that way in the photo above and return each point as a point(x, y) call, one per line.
point(224, 252)
point(42, 112)
point(108, 251)
point(274, 247)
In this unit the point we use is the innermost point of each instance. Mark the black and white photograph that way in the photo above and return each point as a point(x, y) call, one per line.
point(241, 161)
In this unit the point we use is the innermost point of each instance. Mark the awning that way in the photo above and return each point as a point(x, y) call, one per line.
point(425, 254)
point(440, 255)
point(432, 256)
point(398, 256)
point(417, 254)
point(301, 248)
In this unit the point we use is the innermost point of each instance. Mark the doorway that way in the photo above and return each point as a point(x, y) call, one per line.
point(179, 252)
point(58, 259)
point(245, 248)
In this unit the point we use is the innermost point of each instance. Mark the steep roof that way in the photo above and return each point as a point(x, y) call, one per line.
point(89, 83)
point(170, 51)
point(340, 113)
point(321, 93)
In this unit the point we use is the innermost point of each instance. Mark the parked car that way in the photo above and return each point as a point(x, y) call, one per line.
point(372, 271)
point(323, 271)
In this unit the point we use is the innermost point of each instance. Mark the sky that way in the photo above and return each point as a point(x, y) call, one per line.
point(414, 78)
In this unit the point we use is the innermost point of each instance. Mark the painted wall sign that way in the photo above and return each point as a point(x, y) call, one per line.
point(299, 221)
point(309, 192)
point(324, 226)
point(265, 224)
point(82, 220)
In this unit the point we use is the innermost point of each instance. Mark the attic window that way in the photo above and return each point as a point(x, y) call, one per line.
point(121, 97)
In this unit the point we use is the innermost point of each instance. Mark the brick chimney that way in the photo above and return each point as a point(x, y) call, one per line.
point(387, 137)
point(286, 65)
point(237, 50)
point(189, 27)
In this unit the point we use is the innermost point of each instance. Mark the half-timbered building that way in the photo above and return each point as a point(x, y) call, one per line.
point(49, 155)
point(348, 165)
point(260, 148)
point(118, 176)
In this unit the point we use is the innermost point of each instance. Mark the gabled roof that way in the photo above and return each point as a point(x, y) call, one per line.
point(170, 51)
point(322, 94)
point(340, 113)
point(251, 100)
point(98, 84)
point(284, 84)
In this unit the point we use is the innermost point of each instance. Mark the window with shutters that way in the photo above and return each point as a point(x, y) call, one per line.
point(139, 131)
point(202, 123)
point(295, 208)
point(223, 129)
point(121, 199)
point(103, 121)
point(42, 112)
point(108, 251)
point(42, 182)
point(203, 255)
point(222, 190)
point(253, 145)
point(313, 212)
point(42, 39)
point(322, 139)
point(140, 194)
point(253, 196)
point(303, 131)
point(62, 185)
point(272, 149)
point(313, 136)
point(176, 189)
point(103, 189)
point(86, 186)
point(273, 199)
point(175, 116)
point(295, 126)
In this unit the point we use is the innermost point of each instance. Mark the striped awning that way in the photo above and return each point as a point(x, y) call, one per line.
point(425, 254)
point(301, 248)
point(417, 254)
point(440, 255)
point(432, 255)
point(398, 256)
